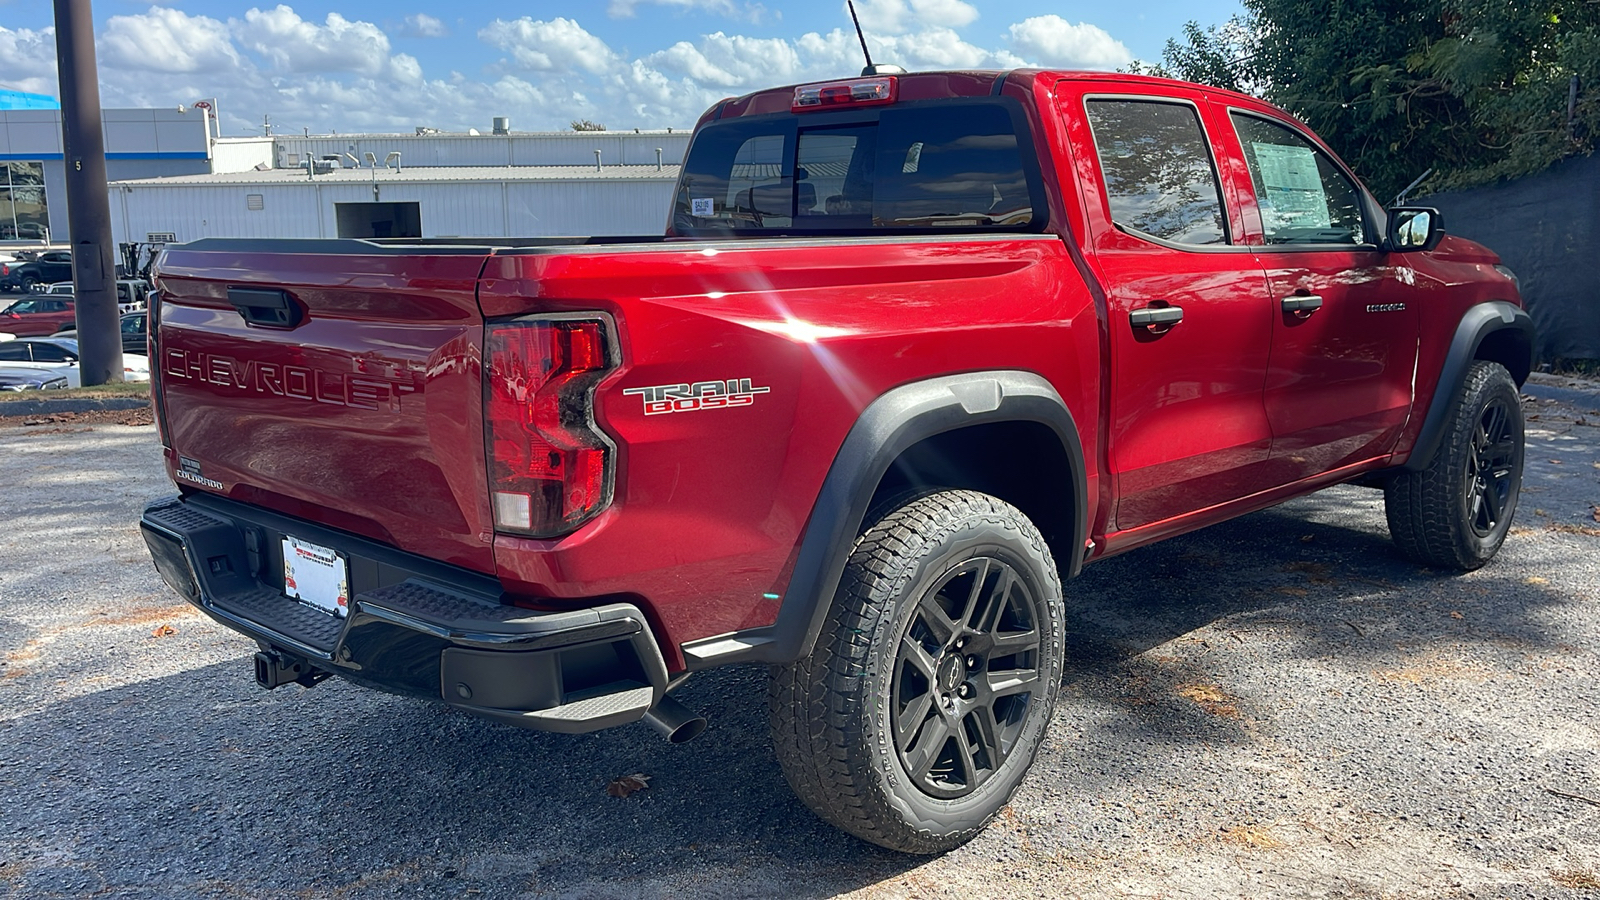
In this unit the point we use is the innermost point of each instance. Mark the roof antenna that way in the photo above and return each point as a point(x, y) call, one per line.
point(884, 69)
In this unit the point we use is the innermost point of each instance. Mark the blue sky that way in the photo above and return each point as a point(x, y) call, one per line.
point(334, 66)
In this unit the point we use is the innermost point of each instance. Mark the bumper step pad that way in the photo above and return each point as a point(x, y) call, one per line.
point(436, 633)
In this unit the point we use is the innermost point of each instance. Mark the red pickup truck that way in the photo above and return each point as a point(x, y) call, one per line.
point(913, 350)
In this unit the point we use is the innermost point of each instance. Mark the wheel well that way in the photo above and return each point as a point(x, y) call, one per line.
point(1022, 463)
point(1508, 347)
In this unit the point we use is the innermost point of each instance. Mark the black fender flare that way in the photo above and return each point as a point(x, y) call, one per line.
point(1475, 326)
point(890, 425)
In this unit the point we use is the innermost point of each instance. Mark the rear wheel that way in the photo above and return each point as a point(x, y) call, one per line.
point(1455, 513)
point(920, 710)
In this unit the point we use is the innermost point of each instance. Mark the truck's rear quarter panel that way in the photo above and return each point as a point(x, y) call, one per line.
point(710, 504)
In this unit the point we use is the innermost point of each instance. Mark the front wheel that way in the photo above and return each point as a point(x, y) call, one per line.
point(920, 710)
point(1455, 513)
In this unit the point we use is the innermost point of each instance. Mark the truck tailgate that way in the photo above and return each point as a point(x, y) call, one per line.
point(363, 411)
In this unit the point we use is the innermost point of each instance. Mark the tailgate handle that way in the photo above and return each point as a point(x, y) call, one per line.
point(264, 307)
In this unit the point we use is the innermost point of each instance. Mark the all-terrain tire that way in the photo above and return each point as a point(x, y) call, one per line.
point(915, 750)
point(1455, 513)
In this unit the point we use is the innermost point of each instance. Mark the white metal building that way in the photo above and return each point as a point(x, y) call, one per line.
point(378, 201)
point(401, 185)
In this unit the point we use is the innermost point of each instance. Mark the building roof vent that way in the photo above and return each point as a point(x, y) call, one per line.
point(502, 124)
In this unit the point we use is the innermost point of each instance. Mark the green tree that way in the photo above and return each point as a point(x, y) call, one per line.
point(1474, 89)
point(1218, 55)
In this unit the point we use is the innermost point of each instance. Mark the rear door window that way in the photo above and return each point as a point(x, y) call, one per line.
point(1159, 177)
point(914, 167)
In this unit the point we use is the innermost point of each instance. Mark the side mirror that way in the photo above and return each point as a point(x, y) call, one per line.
point(1413, 228)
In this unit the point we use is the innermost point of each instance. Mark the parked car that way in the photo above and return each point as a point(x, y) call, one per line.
point(915, 349)
point(61, 355)
point(38, 314)
point(49, 266)
point(21, 378)
point(135, 337)
point(132, 293)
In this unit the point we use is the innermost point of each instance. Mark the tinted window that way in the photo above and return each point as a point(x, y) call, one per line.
point(133, 325)
point(1304, 198)
point(924, 166)
point(14, 352)
point(51, 353)
point(1157, 169)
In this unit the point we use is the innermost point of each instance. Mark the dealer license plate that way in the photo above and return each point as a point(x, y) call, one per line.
point(316, 576)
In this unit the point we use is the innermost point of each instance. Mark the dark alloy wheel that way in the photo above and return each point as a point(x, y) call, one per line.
point(917, 714)
point(1455, 513)
point(1495, 458)
point(966, 672)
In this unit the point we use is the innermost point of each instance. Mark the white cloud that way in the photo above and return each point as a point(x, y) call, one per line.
point(901, 16)
point(28, 60)
point(423, 25)
point(549, 46)
point(296, 45)
point(1054, 41)
point(939, 48)
point(167, 40)
point(341, 74)
point(730, 62)
point(752, 12)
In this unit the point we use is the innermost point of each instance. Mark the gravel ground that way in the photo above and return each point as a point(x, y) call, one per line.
point(1274, 707)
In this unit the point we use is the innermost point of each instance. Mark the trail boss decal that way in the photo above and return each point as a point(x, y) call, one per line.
point(671, 398)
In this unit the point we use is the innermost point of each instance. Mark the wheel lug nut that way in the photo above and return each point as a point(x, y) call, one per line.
point(961, 642)
point(972, 662)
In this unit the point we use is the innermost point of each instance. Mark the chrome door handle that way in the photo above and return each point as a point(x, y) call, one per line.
point(1156, 315)
point(1302, 303)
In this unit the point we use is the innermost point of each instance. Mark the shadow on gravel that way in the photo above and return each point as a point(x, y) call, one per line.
point(1313, 572)
point(201, 785)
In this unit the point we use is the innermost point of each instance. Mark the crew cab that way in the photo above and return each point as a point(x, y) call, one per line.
point(49, 266)
point(913, 350)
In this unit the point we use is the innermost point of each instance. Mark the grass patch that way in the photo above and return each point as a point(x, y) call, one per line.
point(98, 392)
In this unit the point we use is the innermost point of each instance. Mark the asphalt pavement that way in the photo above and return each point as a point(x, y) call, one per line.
point(1279, 706)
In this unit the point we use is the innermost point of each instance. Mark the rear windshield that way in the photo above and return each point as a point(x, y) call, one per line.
point(924, 166)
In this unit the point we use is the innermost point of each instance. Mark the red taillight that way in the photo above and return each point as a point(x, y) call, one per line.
point(856, 92)
point(550, 465)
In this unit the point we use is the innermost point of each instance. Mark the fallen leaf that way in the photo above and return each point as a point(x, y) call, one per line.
point(163, 631)
point(1210, 698)
point(1308, 538)
point(1577, 880)
point(1535, 579)
point(1555, 462)
point(1594, 513)
point(1255, 837)
point(1456, 614)
point(627, 784)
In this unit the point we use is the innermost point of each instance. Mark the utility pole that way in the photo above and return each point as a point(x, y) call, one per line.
point(94, 272)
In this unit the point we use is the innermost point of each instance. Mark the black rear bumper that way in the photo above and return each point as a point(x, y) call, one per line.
point(415, 626)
